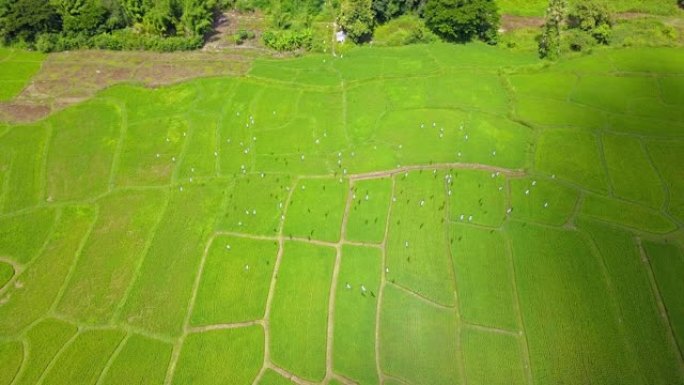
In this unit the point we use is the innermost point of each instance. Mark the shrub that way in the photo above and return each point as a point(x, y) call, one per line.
point(577, 40)
point(240, 36)
point(463, 20)
point(356, 19)
point(288, 40)
point(593, 17)
point(407, 29)
point(118, 40)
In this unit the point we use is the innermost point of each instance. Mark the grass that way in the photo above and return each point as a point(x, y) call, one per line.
point(150, 151)
point(316, 208)
point(82, 361)
point(368, 211)
point(230, 357)
point(45, 339)
point(663, 154)
point(159, 297)
point(557, 266)
point(256, 204)
point(11, 354)
point(417, 340)
point(111, 255)
point(627, 214)
point(476, 197)
point(41, 281)
point(140, 361)
point(417, 246)
point(300, 302)
point(355, 311)
point(484, 276)
point(24, 158)
point(641, 186)
point(116, 214)
point(639, 311)
point(80, 155)
point(538, 7)
point(573, 156)
point(492, 358)
point(667, 262)
point(235, 281)
point(22, 235)
point(541, 200)
point(18, 67)
point(272, 378)
point(6, 273)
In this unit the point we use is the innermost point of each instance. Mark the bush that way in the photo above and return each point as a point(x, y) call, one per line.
point(593, 17)
point(578, 41)
point(288, 40)
point(463, 20)
point(356, 19)
point(242, 35)
point(117, 41)
point(407, 29)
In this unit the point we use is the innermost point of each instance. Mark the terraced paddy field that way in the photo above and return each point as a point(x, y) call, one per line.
point(424, 215)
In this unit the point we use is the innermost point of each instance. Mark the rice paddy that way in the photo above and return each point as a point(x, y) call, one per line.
point(430, 214)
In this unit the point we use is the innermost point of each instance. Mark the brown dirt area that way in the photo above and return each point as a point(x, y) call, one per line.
point(66, 78)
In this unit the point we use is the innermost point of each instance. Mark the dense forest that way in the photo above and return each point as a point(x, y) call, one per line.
point(114, 24)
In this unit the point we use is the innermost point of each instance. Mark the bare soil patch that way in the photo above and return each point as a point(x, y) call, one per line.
point(67, 78)
point(511, 22)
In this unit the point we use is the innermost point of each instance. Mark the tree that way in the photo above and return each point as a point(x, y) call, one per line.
point(24, 19)
point(356, 19)
point(550, 41)
point(592, 17)
point(81, 16)
point(463, 20)
point(197, 16)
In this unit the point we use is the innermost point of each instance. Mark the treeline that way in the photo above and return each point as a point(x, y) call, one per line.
point(54, 25)
point(451, 20)
point(396, 21)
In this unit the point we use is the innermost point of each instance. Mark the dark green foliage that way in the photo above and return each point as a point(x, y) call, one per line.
point(114, 24)
point(386, 10)
point(593, 17)
point(356, 19)
point(578, 40)
point(118, 41)
point(288, 40)
point(463, 20)
point(550, 41)
point(404, 30)
point(240, 36)
point(22, 20)
point(81, 16)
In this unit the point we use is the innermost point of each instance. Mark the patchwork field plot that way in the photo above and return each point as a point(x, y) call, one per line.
point(430, 215)
point(18, 66)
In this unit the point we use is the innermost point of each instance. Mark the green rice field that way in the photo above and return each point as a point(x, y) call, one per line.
point(18, 66)
point(425, 215)
point(538, 7)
